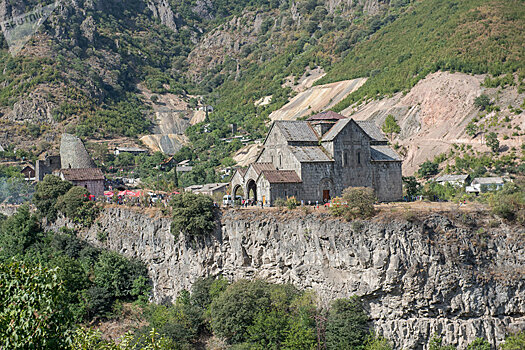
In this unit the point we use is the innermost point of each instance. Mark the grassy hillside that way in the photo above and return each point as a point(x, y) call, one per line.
point(470, 36)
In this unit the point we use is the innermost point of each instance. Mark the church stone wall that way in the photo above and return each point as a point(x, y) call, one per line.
point(388, 181)
point(354, 170)
point(312, 175)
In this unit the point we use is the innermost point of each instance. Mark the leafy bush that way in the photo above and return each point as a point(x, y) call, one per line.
point(428, 169)
point(291, 203)
point(247, 306)
point(509, 203)
point(193, 214)
point(357, 202)
point(346, 326)
point(91, 339)
point(47, 193)
point(479, 344)
point(514, 342)
point(280, 203)
point(33, 314)
point(75, 205)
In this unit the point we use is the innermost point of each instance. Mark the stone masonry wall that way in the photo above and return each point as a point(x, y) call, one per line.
point(416, 278)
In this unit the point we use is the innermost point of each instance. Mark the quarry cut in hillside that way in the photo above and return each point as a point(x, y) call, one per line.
point(450, 274)
point(317, 99)
point(172, 118)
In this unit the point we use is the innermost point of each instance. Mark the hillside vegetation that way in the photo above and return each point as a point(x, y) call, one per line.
point(471, 36)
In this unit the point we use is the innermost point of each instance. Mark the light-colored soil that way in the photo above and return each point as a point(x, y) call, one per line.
point(247, 155)
point(317, 99)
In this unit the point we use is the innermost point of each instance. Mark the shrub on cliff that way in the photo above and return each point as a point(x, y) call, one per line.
point(193, 214)
point(509, 203)
point(47, 193)
point(75, 205)
point(357, 202)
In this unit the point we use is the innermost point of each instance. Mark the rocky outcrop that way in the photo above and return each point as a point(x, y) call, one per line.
point(417, 278)
point(162, 10)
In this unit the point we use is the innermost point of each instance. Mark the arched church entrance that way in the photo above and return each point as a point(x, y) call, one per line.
point(326, 189)
point(238, 191)
point(251, 189)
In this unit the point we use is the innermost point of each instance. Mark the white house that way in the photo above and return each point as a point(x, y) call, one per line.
point(454, 180)
point(485, 184)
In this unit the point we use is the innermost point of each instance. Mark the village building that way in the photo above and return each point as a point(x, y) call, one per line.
point(132, 150)
point(454, 180)
point(485, 184)
point(315, 160)
point(74, 164)
point(46, 166)
point(29, 172)
point(209, 189)
point(91, 179)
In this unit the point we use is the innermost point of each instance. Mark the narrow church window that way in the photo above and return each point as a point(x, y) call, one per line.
point(358, 157)
point(280, 160)
point(345, 158)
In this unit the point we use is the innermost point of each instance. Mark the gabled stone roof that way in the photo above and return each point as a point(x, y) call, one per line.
point(259, 167)
point(384, 154)
point(309, 154)
point(281, 176)
point(336, 129)
point(372, 130)
point(328, 115)
point(296, 131)
point(91, 174)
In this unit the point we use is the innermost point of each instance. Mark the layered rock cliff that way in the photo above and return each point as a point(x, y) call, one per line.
point(453, 276)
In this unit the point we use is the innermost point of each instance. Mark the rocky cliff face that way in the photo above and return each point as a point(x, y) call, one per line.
point(417, 278)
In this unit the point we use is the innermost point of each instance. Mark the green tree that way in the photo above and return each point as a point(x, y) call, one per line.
point(482, 102)
point(47, 193)
point(346, 326)
point(18, 233)
point(472, 129)
point(493, 142)
point(390, 126)
point(428, 169)
point(412, 186)
point(193, 214)
point(514, 342)
point(117, 274)
point(236, 309)
point(75, 205)
point(33, 314)
point(479, 344)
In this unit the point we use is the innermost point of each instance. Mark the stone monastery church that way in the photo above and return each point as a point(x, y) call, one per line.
point(315, 160)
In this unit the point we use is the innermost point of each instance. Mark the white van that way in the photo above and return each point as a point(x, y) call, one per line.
point(228, 200)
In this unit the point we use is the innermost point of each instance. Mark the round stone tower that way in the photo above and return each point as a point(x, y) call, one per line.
point(73, 154)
